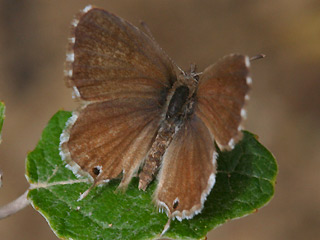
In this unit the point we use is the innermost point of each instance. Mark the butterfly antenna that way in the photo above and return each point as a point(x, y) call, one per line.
point(148, 32)
point(259, 56)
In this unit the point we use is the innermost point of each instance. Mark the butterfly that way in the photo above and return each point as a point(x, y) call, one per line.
point(137, 117)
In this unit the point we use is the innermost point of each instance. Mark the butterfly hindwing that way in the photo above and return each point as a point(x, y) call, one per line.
point(188, 171)
point(112, 137)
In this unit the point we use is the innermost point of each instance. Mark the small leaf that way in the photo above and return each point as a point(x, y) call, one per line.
point(245, 182)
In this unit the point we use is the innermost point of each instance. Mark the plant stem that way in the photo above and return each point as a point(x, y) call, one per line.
point(14, 206)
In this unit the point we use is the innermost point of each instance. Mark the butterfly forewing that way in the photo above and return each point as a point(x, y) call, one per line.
point(110, 58)
point(188, 171)
point(221, 96)
point(124, 78)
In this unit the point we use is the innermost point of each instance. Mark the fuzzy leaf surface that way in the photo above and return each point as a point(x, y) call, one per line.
point(245, 182)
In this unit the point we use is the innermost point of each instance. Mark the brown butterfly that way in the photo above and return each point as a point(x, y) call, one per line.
point(138, 117)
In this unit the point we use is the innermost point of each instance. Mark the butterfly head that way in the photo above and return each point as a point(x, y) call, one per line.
point(189, 78)
point(189, 75)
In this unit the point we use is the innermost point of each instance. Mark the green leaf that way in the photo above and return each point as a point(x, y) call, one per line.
point(2, 116)
point(245, 182)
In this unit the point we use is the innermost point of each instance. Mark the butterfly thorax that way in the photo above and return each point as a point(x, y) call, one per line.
point(179, 108)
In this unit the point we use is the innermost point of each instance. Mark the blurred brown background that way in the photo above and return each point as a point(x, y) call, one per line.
point(284, 109)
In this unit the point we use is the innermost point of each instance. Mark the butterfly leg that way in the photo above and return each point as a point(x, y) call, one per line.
point(166, 227)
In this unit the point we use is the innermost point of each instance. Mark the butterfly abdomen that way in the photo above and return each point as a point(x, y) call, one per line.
point(166, 132)
point(158, 148)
